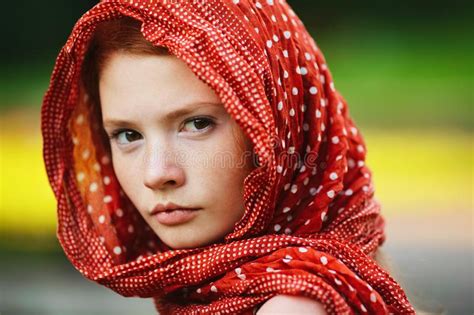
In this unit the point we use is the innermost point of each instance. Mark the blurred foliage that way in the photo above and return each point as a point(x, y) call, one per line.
point(397, 63)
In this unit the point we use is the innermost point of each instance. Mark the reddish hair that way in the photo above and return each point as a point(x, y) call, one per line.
point(120, 35)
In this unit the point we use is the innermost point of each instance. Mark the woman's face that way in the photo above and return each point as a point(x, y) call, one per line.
point(172, 141)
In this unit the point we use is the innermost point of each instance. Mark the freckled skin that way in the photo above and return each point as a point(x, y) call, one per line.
point(167, 163)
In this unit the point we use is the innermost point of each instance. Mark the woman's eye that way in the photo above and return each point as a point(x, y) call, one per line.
point(126, 136)
point(199, 124)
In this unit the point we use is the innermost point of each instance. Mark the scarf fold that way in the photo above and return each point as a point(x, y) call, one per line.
point(311, 224)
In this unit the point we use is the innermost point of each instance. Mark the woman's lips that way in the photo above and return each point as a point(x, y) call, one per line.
point(175, 217)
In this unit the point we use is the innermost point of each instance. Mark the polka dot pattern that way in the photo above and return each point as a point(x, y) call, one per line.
point(310, 224)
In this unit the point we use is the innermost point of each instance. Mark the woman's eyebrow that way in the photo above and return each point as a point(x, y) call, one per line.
point(192, 107)
point(188, 109)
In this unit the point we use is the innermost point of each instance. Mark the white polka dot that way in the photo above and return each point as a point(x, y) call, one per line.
point(198, 290)
point(307, 56)
point(333, 176)
point(287, 259)
point(80, 176)
point(275, 38)
point(362, 307)
point(85, 154)
point(238, 271)
point(318, 113)
point(287, 231)
point(106, 180)
point(130, 228)
point(241, 276)
point(277, 227)
point(313, 90)
point(348, 192)
point(373, 297)
point(335, 139)
point(280, 105)
point(360, 148)
point(306, 181)
point(89, 209)
point(287, 34)
point(319, 188)
point(312, 191)
point(270, 2)
point(269, 43)
point(365, 188)
point(294, 189)
point(101, 218)
point(107, 199)
point(337, 281)
point(323, 260)
point(119, 212)
point(360, 163)
point(286, 75)
point(117, 250)
point(303, 249)
point(294, 91)
point(93, 187)
point(323, 216)
point(330, 193)
point(270, 269)
point(285, 53)
point(292, 112)
point(214, 288)
point(286, 209)
point(303, 71)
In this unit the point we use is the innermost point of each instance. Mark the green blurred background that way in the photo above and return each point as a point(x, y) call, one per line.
point(406, 70)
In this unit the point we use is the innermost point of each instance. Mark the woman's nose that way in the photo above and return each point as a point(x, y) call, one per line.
point(162, 169)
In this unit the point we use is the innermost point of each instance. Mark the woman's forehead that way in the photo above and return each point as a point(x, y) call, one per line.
point(164, 84)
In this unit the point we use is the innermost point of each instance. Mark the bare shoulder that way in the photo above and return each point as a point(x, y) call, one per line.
point(287, 304)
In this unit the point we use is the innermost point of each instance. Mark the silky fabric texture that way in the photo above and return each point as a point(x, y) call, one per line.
point(311, 224)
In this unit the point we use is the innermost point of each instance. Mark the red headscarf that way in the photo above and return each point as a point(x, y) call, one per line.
point(311, 224)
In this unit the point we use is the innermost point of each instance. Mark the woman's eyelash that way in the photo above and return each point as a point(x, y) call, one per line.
point(210, 121)
point(115, 133)
point(207, 120)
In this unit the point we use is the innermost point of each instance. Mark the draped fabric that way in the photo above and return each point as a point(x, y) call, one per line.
point(311, 224)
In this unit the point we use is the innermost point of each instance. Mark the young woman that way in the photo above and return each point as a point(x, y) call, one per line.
point(201, 156)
